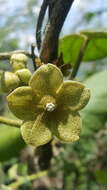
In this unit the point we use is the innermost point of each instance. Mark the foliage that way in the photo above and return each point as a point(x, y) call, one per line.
point(95, 50)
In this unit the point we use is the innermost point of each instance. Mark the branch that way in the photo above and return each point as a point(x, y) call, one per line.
point(33, 57)
point(40, 22)
point(49, 49)
point(13, 123)
point(22, 180)
point(6, 55)
point(80, 58)
point(51, 6)
point(45, 154)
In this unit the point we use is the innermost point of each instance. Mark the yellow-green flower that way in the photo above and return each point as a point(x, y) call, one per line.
point(49, 107)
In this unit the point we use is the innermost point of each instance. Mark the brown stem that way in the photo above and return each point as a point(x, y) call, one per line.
point(49, 49)
point(40, 22)
point(33, 57)
point(45, 154)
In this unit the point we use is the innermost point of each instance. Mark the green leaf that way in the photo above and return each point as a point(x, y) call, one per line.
point(11, 142)
point(101, 176)
point(70, 46)
point(95, 113)
point(98, 86)
point(97, 48)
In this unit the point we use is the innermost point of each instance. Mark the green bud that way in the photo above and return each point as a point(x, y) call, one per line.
point(24, 76)
point(18, 61)
point(9, 81)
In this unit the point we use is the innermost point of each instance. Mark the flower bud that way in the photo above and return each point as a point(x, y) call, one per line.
point(18, 61)
point(24, 76)
point(9, 81)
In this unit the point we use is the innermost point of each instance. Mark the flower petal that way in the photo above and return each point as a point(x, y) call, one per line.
point(36, 132)
point(22, 102)
point(73, 94)
point(46, 80)
point(68, 126)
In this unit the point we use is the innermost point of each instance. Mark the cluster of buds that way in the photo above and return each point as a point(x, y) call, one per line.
point(19, 76)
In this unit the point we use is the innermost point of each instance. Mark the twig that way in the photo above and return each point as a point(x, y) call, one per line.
point(80, 58)
point(33, 55)
point(6, 55)
point(49, 49)
point(22, 180)
point(45, 154)
point(40, 21)
point(11, 122)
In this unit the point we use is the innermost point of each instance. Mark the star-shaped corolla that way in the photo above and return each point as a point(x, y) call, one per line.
point(49, 107)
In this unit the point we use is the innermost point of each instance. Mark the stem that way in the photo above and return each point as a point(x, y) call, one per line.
point(45, 154)
point(40, 22)
point(49, 49)
point(80, 58)
point(13, 123)
point(22, 180)
point(33, 55)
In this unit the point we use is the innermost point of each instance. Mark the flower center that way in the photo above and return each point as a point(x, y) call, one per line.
point(48, 103)
point(50, 107)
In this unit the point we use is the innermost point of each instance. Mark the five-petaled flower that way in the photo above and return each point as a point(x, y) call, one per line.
point(49, 107)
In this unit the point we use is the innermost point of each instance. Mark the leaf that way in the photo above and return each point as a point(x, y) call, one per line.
point(101, 177)
point(95, 113)
point(98, 85)
point(70, 46)
point(97, 48)
point(11, 142)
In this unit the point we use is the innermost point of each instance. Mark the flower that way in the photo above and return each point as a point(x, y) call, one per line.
point(49, 107)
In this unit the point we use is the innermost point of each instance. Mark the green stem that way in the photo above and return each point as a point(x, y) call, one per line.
point(23, 180)
point(80, 58)
point(13, 123)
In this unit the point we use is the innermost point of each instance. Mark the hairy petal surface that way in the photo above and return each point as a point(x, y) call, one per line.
point(22, 102)
point(67, 126)
point(74, 95)
point(36, 132)
point(46, 80)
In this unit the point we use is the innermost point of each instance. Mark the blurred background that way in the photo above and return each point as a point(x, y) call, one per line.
point(78, 166)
